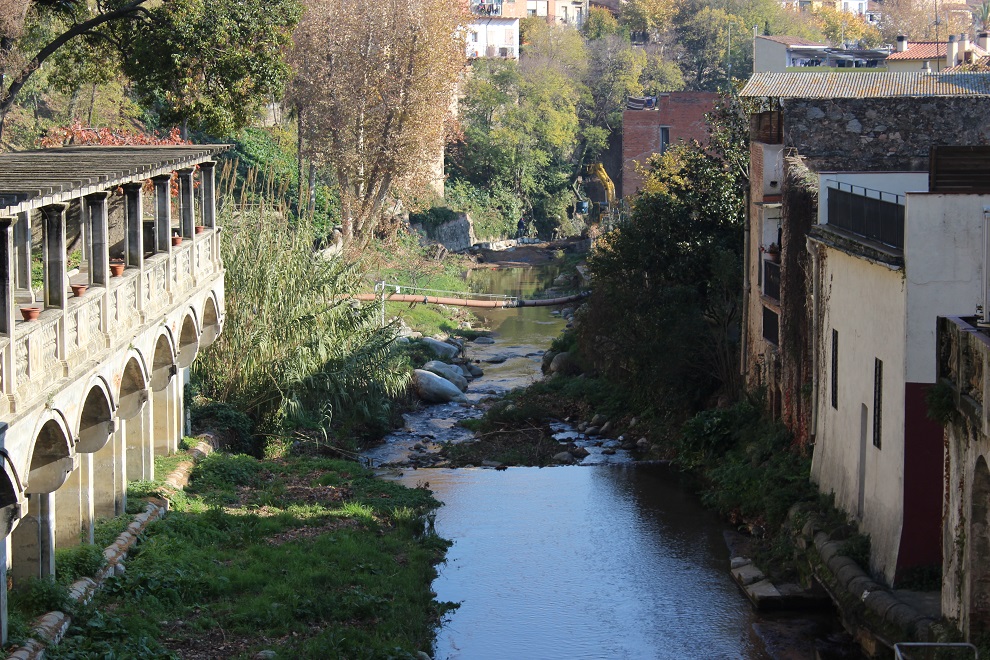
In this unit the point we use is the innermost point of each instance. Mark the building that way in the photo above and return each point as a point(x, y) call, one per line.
point(493, 37)
point(910, 57)
point(93, 385)
point(671, 118)
point(839, 328)
point(777, 54)
point(568, 12)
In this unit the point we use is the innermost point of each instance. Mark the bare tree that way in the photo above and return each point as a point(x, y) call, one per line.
point(375, 83)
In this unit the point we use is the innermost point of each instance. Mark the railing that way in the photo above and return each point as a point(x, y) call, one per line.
point(42, 350)
point(872, 214)
point(771, 279)
point(491, 8)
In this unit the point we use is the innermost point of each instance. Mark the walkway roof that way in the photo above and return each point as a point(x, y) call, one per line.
point(32, 179)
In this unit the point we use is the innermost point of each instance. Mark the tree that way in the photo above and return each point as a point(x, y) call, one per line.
point(375, 83)
point(601, 23)
point(843, 27)
point(651, 16)
point(232, 54)
point(714, 39)
point(615, 71)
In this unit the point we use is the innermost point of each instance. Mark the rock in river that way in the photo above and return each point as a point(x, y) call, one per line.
point(448, 371)
point(441, 348)
point(435, 389)
point(563, 457)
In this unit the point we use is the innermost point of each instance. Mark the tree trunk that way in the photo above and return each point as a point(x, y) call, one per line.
point(311, 208)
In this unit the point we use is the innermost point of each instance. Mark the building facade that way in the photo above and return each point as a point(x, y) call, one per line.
point(94, 355)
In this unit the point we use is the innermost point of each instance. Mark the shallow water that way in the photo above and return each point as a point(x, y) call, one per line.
point(583, 562)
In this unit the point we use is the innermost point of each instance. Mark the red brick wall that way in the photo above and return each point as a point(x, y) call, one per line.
point(683, 112)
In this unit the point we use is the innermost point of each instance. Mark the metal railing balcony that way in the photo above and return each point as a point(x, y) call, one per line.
point(771, 279)
point(872, 214)
point(490, 8)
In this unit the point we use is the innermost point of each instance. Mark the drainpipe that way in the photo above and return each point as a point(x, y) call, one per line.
point(744, 335)
point(815, 350)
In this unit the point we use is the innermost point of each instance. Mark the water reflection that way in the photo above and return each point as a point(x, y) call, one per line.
point(583, 562)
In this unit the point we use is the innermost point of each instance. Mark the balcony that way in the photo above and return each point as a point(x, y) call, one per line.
point(871, 214)
point(486, 8)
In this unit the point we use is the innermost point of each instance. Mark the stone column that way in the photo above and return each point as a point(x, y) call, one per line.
point(4, 554)
point(187, 211)
point(22, 252)
point(108, 465)
point(133, 212)
point(164, 428)
point(138, 445)
point(69, 503)
point(56, 275)
point(176, 419)
point(7, 305)
point(99, 267)
point(86, 511)
point(33, 540)
point(163, 213)
point(207, 172)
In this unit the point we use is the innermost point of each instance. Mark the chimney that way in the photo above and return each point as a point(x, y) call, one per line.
point(950, 51)
point(963, 47)
point(983, 40)
point(902, 43)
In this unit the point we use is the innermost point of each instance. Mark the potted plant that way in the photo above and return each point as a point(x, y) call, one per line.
point(176, 240)
point(78, 289)
point(200, 229)
point(773, 253)
point(117, 267)
point(30, 313)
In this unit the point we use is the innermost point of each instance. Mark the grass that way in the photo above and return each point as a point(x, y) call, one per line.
point(307, 557)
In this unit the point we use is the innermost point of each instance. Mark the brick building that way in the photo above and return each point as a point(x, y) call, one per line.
point(675, 117)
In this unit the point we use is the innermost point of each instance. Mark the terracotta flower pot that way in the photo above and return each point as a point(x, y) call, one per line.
point(78, 289)
point(176, 241)
point(30, 313)
point(200, 229)
point(116, 268)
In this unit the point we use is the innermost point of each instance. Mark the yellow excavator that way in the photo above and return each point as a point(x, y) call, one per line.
point(598, 170)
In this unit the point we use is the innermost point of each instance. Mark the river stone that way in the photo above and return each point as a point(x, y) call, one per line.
point(448, 371)
point(475, 370)
point(441, 348)
point(579, 452)
point(435, 389)
point(491, 464)
point(564, 363)
point(598, 420)
point(592, 430)
point(484, 340)
point(606, 428)
point(465, 371)
point(563, 457)
point(642, 443)
point(548, 357)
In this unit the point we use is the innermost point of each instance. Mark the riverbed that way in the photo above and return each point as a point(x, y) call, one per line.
point(606, 559)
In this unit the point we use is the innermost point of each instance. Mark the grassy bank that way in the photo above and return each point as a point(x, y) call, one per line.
point(306, 557)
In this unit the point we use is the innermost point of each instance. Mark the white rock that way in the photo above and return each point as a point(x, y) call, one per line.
point(435, 389)
point(441, 348)
point(448, 371)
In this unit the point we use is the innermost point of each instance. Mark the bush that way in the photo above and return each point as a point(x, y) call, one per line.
point(83, 560)
point(233, 427)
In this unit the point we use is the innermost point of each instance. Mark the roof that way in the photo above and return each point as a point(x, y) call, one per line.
point(981, 64)
point(790, 41)
point(857, 85)
point(929, 50)
point(32, 179)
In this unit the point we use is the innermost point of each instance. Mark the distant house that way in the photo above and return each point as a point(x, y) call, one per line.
point(493, 36)
point(670, 118)
point(910, 57)
point(780, 53)
point(853, 254)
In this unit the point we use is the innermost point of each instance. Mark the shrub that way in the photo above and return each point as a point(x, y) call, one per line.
point(83, 560)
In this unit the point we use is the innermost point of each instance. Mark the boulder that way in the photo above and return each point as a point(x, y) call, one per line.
point(441, 349)
point(435, 389)
point(598, 420)
point(579, 452)
point(606, 428)
point(548, 357)
point(564, 363)
point(484, 340)
point(448, 371)
point(475, 370)
point(563, 457)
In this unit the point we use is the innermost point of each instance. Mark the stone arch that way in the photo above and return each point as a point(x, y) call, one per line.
point(188, 340)
point(979, 551)
point(163, 362)
point(211, 322)
point(10, 495)
point(51, 456)
point(133, 388)
point(96, 419)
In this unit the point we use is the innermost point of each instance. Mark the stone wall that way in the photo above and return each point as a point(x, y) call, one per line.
point(881, 134)
point(456, 235)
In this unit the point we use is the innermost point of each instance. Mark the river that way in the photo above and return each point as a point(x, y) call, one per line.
point(601, 560)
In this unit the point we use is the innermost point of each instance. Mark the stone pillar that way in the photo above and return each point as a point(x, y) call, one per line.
point(162, 415)
point(99, 266)
point(4, 555)
point(70, 505)
point(86, 502)
point(176, 417)
point(109, 490)
point(33, 540)
point(56, 275)
point(187, 211)
point(7, 277)
point(138, 443)
point(133, 212)
point(208, 177)
point(163, 213)
point(22, 251)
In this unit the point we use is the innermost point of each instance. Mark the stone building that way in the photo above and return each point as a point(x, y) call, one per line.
point(851, 256)
point(92, 377)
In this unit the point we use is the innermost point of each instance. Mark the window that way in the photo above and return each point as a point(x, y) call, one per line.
point(664, 138)
point(835, 369)
point(877, 401)
point(771, 326)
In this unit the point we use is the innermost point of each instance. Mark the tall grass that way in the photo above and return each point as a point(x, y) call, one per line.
point(295, 349)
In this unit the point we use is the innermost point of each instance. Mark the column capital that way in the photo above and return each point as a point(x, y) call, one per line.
point(54, 208)
point(6, 220)
point(101, 195)
point(186, 171)
point(162, 178)
point(133, 186)
point(208, 164)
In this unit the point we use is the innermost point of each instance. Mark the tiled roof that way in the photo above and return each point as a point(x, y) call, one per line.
point(980, 65)
point(929, 50)
point(790, 41)
point(31, 179)
point(865, 85)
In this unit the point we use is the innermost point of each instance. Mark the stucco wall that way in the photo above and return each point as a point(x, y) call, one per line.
point(881, 134)
point(769, 56)
point(866, 303)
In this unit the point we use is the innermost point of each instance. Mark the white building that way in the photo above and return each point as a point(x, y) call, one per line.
point(889, 257)
point(493, 37)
